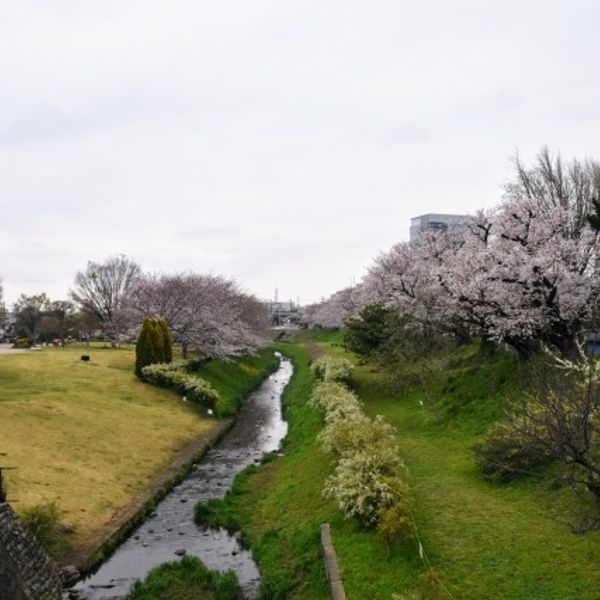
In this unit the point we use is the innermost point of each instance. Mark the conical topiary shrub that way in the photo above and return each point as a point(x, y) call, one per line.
point(167, 340)
point(149, 349)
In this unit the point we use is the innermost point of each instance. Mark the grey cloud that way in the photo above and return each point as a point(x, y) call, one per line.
point(280, 143)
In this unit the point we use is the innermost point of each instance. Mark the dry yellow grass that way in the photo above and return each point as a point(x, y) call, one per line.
point(88, 436)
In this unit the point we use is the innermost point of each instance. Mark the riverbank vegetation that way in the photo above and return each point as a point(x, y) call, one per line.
point(187, 579)
point(234, 379)
point(479, 539)
point(523, 276)
point(88, 437)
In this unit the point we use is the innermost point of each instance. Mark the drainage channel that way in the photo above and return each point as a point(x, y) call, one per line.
point(170, 530)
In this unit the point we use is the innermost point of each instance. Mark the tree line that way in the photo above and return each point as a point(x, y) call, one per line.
point(208, 313)
point(524, 275)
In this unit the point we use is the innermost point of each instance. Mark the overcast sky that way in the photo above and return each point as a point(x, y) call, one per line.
point(283, 143)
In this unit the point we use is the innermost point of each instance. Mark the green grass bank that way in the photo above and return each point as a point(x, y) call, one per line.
point(484, 540)
point(236, 378)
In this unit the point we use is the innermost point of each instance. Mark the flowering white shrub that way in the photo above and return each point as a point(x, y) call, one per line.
point(337, 401)
point(330, 368)
point(367, 482)
point(363, 487)
point(153, 373)
point(362, 434)
point(173, 376)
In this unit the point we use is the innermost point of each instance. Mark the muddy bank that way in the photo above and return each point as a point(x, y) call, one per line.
point(170, 531)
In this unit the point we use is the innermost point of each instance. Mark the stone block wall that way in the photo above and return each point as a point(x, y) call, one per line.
point(26, 571)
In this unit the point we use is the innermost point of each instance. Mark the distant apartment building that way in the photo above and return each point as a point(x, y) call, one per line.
point(434, 222)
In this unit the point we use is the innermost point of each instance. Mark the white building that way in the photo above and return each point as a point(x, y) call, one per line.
point(434, 222)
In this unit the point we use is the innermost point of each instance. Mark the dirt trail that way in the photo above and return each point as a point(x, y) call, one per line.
point(314, 350)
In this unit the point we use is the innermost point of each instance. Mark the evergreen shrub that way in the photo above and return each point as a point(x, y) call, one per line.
point(149, 348)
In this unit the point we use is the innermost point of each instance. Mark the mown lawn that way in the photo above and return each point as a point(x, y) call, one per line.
point(90, 436)
point(484, 540)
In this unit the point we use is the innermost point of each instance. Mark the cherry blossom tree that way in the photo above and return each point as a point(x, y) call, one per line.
point(333, 312)
point(519, 276)
point(206, 312)
point(524, 273)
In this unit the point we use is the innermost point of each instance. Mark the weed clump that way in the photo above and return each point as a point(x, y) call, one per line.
point(43, 520)
point(187, 578)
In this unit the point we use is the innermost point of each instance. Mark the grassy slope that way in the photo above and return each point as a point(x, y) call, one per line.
point(90, 436)
point(235, 379)
point(484, 540)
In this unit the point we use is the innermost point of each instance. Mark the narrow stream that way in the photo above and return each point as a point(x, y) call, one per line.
point(170, 530)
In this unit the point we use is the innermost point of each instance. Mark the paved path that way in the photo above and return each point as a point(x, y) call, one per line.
point(8, 349)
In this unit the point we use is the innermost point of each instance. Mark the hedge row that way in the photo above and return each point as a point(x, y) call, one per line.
point(367, 483)
point(175, 377)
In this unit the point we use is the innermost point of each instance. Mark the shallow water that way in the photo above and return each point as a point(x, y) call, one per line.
point(259, 428)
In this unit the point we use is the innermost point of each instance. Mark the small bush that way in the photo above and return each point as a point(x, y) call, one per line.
point(43, 522)
point(503, 456)
point(156, 373)
point(329, 368)
point(359, 434)
point(22, 342)
point(367, 480)
point(187, 578)
point(173, 376)
point(395, 523)
point(336, 400)
point(364, 487)
point(205, 512)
